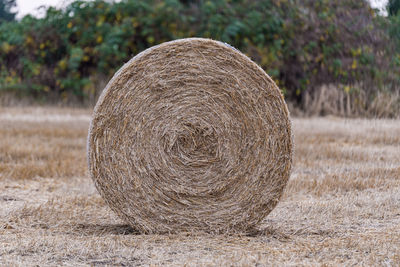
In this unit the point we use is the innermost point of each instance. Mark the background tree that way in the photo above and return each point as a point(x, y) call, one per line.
point(5, 10)
point(69, 54)
point(393, 7)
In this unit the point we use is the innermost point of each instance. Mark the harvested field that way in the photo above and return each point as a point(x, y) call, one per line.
point(341, 205)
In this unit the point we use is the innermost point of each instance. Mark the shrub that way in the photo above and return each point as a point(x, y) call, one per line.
point(303, 45)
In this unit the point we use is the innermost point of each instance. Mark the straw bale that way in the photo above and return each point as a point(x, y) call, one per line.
point(191, 135)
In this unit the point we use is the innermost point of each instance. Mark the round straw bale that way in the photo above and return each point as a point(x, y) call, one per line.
point(191, 135)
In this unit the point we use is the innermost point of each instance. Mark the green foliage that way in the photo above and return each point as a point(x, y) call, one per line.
point(301, 44)
point(393, 7)
point(5, 10)
point(392, 26)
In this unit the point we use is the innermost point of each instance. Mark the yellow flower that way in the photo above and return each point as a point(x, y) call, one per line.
point(7, 47)
point(36, 70)
point(354, 65)
point(118, 16)
point(62, 64)
point(29, 40)
point(99, 39)
point(347, 89)
point(100, 21)
point(69, 25)
point(150, 39)
point(9, 79)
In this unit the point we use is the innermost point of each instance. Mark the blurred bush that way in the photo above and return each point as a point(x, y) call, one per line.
point(303, 45)
point(393, 7)
point(6, 13)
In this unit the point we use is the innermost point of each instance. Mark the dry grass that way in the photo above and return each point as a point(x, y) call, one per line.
point(341, 205)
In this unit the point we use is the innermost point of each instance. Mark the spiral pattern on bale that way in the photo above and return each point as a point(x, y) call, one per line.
point(190, 135)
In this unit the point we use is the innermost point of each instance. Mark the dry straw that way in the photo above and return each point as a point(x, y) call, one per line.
point(190, 135)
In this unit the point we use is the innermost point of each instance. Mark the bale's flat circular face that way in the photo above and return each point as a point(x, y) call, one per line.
point(190, 135)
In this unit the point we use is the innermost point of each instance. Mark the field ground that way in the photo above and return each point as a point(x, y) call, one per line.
point(341, 205)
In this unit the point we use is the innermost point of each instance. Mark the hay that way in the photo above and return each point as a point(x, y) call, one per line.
point(190, 135)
